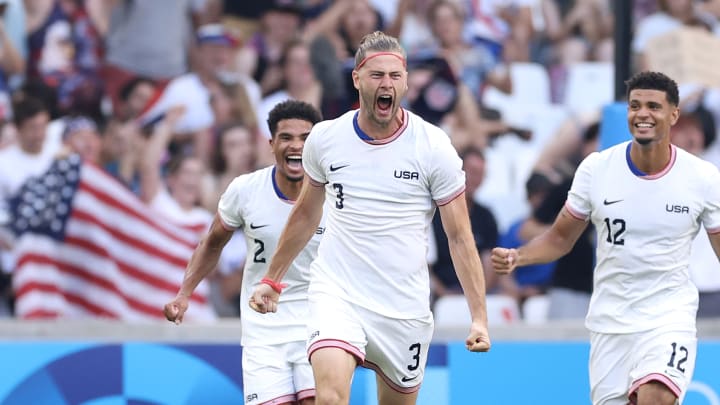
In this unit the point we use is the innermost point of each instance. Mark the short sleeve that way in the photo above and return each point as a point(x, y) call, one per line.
point(446, 177)
point(310, 155)
point(711, 213)
point(231, 203)
point(578, 201)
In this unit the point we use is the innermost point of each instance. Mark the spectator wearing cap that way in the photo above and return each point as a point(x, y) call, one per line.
point(194, 91)
point(81, 136)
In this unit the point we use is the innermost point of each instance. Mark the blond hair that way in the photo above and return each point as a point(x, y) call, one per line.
point(377, 41)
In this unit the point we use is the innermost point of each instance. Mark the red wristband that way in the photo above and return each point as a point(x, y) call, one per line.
point(276, 285)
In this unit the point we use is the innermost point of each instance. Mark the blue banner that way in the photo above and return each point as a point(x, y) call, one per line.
point(157, 373)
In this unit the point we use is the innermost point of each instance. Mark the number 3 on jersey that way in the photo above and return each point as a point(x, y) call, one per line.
point(340, 197)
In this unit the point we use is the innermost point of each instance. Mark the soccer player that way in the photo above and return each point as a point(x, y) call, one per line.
point(647, 200)
point(274, 363)
point(379, 171)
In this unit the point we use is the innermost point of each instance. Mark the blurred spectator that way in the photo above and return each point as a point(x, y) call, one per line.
point(672, 14)
point(81, 136)
point(194, 92)
point(534, 279)
point(122, 150)
point(360, 19)
point(234, 154)
point(134, 96)
point(473, 65)
point(572, 280)
point(144, 38)
point(13, 15)
point(29, 156)
point(691, 134)
point(241, 17)
point(410, 25)
point(493, 23)
point(178, 194)
point(11, 63)
point(65, 53)
point(574, 32)
point(436, 95)
point(484, 229)
point(298, 83)
point(279, 25)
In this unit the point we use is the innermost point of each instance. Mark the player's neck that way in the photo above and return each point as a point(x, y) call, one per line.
point(652, 158)
point(378, 131)
point(290, 189)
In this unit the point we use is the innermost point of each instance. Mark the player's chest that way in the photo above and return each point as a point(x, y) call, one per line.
point(377, 171)
point(646, 208)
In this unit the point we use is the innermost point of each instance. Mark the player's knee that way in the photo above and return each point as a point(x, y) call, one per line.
point(655, 393)
point(331, 396)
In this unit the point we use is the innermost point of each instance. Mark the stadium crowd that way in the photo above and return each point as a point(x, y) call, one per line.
point(171, 97)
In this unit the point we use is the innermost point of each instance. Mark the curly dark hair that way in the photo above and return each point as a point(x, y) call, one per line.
point(654, 81)
point(290, 109)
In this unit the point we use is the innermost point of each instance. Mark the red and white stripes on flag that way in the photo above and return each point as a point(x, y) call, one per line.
point(97, 250)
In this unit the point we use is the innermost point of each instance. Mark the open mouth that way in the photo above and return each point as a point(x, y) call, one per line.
point(294, 162)
point(384, 102)
point(644, 125)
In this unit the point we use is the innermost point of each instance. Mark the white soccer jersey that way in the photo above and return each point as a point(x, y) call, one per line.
point(254, 203)
point(645, 227)
point(380, 198)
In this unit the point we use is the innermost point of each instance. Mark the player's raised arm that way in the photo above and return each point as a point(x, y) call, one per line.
point(301, 226)
point(469, 269)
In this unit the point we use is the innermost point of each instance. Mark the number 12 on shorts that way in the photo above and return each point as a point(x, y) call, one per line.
point(679, 353)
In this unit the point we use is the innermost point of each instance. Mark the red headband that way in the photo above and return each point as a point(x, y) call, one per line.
point(367, 58)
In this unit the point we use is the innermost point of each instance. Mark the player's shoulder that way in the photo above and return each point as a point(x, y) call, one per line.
point(250, 182)
point(606, 156)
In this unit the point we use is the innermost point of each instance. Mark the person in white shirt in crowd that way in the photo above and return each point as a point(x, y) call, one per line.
point(29, 156)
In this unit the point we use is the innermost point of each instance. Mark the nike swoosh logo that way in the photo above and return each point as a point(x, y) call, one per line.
point(334, 168)
point(253, 226)
point(406, 379)
point(606, 202)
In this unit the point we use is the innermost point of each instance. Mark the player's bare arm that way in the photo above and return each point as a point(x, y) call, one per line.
point(550, 245)
point(302, 223)
point(204, 259)
point(469, 269)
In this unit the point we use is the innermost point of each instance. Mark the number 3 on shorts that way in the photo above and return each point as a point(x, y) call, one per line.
point(415, 363)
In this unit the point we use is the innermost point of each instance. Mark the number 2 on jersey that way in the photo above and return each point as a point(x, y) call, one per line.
point(259, 249)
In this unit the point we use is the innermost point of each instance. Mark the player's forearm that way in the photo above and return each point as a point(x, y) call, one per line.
point(546, 247)
point(469, 270)
point(301, 226)
point(202, 263)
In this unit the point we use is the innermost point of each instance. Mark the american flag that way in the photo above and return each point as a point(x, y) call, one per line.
point(87, 247)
